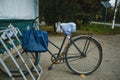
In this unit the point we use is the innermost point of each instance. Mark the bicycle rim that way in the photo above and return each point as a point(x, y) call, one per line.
point(84, 65)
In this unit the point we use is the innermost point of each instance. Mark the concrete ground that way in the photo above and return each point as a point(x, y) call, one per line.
point(109, 69)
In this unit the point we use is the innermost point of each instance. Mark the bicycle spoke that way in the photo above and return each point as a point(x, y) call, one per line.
point(74, 57)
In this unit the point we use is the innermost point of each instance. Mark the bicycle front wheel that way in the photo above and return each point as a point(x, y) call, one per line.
point(91, 60)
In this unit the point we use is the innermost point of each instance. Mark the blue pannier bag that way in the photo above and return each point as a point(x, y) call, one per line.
point(35, 41)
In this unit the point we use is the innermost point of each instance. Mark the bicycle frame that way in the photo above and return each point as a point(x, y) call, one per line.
point(87, 43)
point(61, 47)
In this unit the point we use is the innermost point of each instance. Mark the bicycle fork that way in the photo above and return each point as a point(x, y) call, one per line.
point(87, 43)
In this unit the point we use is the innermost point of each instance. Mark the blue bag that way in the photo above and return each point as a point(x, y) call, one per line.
point(35, 41)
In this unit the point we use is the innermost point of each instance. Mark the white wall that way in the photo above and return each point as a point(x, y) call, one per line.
point(17, 9)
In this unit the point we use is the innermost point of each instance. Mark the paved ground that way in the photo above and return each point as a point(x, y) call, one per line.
point(109, 69)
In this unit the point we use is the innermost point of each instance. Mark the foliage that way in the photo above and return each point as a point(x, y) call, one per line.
point(78, 11)
point(118, 14)
point(93, 28)
point(66, 10)
point(99, 29)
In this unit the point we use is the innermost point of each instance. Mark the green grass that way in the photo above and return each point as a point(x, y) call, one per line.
point(100, 29)
point(47, 28)
point(94, 29)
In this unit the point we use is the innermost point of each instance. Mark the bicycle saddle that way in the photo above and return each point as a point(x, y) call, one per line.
point(68, 28)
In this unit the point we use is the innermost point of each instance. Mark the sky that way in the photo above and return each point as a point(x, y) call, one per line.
point(113, 2)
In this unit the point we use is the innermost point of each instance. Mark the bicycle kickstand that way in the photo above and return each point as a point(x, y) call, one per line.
point(50, 67)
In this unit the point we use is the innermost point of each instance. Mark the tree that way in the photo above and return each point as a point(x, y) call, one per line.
point(82, 11)
point(118, 14)
point(57, 10)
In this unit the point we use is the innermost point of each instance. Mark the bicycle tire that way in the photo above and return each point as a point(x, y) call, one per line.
point(84, 65)
point(35, 57)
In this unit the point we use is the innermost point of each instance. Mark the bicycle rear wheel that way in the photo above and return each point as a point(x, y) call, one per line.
point(35, 57)
point(83, 64)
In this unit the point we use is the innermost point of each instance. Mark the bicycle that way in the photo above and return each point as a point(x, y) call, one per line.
point(84, 50)
point(82, 54)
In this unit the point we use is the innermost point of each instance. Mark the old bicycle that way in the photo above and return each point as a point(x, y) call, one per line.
point(83, 54)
